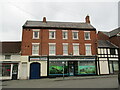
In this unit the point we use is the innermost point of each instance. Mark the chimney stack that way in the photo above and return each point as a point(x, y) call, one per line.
point(87, 19)
point(44, 19)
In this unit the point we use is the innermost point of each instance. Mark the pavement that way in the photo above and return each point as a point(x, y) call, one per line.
point(104, 81)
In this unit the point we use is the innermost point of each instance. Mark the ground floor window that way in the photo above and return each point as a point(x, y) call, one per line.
point(86, 67)
point(72, 67)
point(56, 67)
point(114, 67)
point(6, 68)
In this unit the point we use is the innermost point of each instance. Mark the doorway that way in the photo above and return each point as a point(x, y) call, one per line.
point(35, 70)
point(71, 68)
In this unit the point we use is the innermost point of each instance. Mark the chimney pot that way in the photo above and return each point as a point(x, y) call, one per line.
point(44, 19)
point(87, 19)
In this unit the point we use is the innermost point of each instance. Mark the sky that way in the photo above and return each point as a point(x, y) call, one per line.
point(14, 13)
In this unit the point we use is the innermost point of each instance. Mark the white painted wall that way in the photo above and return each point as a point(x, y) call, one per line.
point(23, 71)
point(104, 67)
point(14, 58)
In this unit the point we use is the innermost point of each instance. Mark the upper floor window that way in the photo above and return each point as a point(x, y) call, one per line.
point(65, 34)
point(88, 49)
point(87, 35)
point(7, 56)
point(112, 51)
point(52, 49)
point(75, 48)
point(65, 48)
point(36, 34)
point(75, 34)
point(52, 34)
point(35, 48)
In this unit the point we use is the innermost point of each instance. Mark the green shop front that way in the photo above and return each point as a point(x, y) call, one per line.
point(72, 65)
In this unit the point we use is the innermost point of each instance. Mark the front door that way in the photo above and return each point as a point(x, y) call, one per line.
point(15, 72)
point(71, 68)
point(34, 71)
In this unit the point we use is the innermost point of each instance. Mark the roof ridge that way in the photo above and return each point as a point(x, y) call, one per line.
point(112, 43)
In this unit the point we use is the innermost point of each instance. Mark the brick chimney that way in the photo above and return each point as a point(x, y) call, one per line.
point(87, 19)
point(44, 19)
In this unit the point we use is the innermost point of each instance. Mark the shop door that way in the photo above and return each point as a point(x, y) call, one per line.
point(71, 69)
point(15, 72)
point(34, 71)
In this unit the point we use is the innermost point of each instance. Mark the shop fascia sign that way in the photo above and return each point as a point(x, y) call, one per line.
point(65, 59)
point(37, 58)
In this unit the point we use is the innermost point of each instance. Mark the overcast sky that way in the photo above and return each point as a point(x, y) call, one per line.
point(14, 13)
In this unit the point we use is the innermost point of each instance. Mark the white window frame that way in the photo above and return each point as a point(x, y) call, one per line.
point(89, 35)
point(73, 35)
point(65, 44)
point(9, 56)
point(36, 30)
point(54, 34)
point(38, 48)
point(66, 34)
point(54, 50)
point(87, 50)
point(76, 44)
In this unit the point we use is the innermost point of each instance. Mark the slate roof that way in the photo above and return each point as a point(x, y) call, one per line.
point(60, 25)
point(105, 43)
point(10, 47)
point(113, 32)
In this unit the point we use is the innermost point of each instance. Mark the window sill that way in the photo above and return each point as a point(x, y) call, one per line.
point(35, 54)
point(75, 39)
point(52, 38)
point(65, 38)
point(51, 54)
point(87, 39)
point(35, 38)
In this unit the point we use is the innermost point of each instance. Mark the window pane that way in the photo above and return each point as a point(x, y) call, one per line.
point(52, 34)
point(75, 35)
point(112, 51)
point(88, 49)
point(76, 50)
point(115, 65)
point(6, 68)
point(86, 67)
point(65, 49)
point(7, 56)
point(35, 49)
point(52, 49)
point(87, 35)
point(56, 68)
point(64, 35)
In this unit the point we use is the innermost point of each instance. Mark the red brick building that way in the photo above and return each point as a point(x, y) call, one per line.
point(50, 47)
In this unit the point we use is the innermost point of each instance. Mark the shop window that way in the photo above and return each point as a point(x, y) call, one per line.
point(86, 67)
point(7, 56)
point(6, 69)
point(112, 51)
point(56, 68)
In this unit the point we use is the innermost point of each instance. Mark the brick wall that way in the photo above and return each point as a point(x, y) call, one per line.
point(27, 41)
